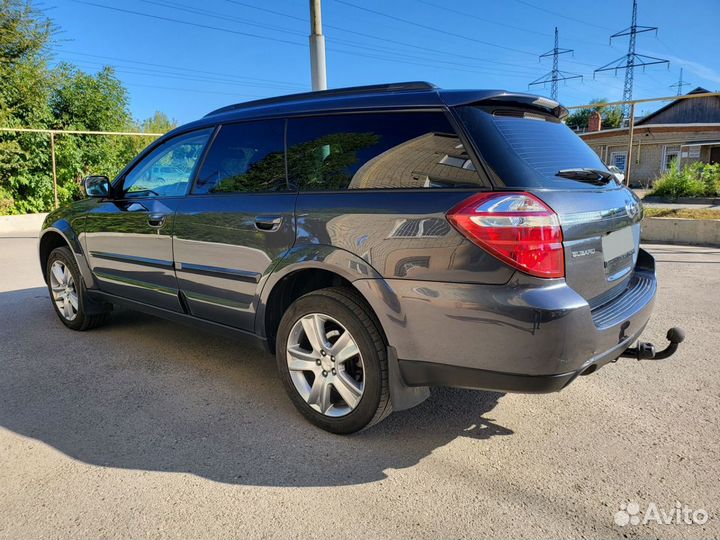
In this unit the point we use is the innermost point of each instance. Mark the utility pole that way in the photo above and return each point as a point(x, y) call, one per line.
point(317, 47)
point(680, 83)
point(555, 75)
point(631, 60)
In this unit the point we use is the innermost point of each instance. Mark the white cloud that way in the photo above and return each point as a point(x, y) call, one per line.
point(701, 70)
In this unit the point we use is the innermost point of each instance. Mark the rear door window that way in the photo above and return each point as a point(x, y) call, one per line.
point(526, 149)
point(377, 151)
point(245, 157)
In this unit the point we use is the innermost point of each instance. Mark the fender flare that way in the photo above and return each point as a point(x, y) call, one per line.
point(305, 257)
point(65, 230)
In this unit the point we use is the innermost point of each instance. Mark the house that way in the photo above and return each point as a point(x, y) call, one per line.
point(687, 130)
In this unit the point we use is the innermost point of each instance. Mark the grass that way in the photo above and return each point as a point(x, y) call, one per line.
point(685, 213)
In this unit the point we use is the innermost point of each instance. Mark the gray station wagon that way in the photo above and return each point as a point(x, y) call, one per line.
point(379, 240)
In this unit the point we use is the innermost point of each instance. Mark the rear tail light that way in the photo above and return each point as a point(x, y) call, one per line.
point(517, 228)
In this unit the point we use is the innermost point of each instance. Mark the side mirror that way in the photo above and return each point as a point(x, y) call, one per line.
point(97, 186)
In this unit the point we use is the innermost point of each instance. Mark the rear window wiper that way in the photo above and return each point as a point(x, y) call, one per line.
point(591, 176)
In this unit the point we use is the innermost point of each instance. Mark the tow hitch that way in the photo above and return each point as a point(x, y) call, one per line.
point(646, 351)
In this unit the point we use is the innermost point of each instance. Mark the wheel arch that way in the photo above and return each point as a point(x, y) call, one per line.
point(61, 234)
point(305, 269)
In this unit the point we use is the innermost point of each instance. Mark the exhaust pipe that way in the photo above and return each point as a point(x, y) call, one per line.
point(646, 351)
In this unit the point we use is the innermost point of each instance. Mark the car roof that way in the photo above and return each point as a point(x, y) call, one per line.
point(406, 95)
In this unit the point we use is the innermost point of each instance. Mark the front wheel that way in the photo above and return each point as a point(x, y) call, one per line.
point(67, 292)
point(332, 361)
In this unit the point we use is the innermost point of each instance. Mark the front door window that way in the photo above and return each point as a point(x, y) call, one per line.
point(168, 170)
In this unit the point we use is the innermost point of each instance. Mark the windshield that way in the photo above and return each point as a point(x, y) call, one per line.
point(527, 149)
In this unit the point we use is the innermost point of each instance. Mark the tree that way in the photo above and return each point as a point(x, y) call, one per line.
point(80, 101)
point(25, 84)
point(158, 123)
point(611, 116)
point(64, 98)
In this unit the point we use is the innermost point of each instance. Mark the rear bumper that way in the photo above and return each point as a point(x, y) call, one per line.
point(529, 335)
point(432, 374)
point(416, 373)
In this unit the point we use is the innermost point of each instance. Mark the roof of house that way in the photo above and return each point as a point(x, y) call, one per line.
point(657, 128)
point(646, 119)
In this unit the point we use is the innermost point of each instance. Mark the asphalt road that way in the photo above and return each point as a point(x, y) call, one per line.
point(147, 429)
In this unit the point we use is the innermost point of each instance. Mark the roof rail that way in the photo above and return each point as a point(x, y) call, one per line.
point(350, 90)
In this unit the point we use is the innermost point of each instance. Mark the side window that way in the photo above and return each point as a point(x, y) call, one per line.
point(168, 169)
point(245, 157)
point(377, 151)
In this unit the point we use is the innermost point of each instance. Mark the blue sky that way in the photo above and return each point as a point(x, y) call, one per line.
point(226, 51)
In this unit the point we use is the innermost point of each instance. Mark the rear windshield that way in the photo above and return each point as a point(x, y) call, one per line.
point(526, 149)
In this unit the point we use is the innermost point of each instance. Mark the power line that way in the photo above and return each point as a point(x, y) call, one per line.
point(631, 59)
point(133, 70)
point(248, 34)
point(502, 24)
point(266, 10)
point(679, 85)
point(433, 29)
point(394, 60)
point(562, 15)
point(382, 54)
point(197, 91)
point(453, 54)
point(555, 75)
point(249, 81)
point(220, 29)
point(152, 72)
point(473, 16)
point(223, 16)
point(443, 63)
point(198, 25)
point(226, 17)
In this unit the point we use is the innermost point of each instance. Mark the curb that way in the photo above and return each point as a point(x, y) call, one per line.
point(699, 232)
point(26, 225)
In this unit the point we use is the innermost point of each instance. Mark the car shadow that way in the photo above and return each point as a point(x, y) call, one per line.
point(142, 393)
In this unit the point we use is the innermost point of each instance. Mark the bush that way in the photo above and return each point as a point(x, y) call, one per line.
point(695, 180)
point(710, 175)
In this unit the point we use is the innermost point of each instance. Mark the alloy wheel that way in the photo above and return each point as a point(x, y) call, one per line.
point(325, 365)
point(63, 290)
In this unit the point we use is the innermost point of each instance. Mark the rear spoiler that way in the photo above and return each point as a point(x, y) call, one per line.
point(543, 104)
point(535, 102)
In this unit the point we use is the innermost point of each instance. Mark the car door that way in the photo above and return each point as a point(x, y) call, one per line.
point(236, 224)
point(129, 237)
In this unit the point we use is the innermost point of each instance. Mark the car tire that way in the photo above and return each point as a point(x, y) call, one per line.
point(68, 294)
point(355, 385)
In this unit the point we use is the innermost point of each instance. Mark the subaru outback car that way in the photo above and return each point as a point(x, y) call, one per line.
point(378, 240)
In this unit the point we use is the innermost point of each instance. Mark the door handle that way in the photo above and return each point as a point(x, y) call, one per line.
point(268, 223)
point(156, 220)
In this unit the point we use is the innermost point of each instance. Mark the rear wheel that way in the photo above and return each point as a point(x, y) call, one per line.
point(332, 360)
point(67, 292)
